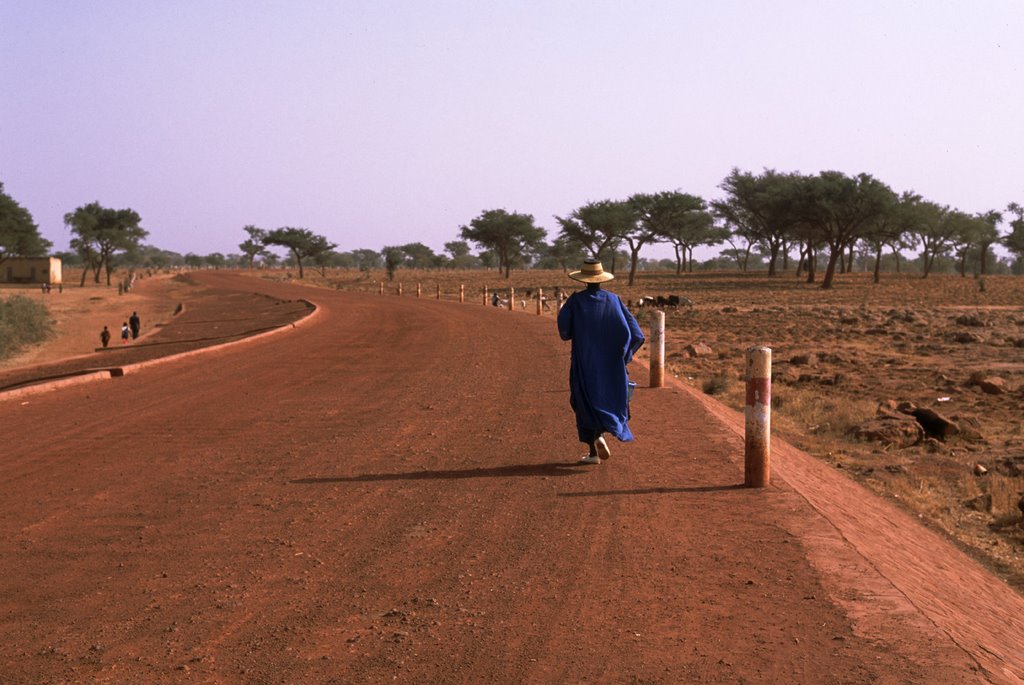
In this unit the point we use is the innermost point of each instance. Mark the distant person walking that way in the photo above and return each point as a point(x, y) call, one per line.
point(124, 333)
point(604, 336)
point(105, 336)
point(135, 324)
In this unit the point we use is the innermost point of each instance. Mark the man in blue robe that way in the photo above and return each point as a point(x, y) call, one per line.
point(604, 338)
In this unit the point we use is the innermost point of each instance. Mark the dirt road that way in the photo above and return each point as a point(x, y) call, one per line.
point(388, 494)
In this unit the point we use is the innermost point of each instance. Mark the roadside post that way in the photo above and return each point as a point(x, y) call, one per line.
point(438, 291)
point(540, 301)
point(485, 295)
point(658, 350)
point(419, 290)
point(462, 292)
point(758, 414)
point(399, 287)
point(382, 287)
point(511, 298)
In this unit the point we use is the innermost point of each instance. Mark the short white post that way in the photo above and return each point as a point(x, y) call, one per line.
point(757, 462)
point(511, 298)
point(462, 292)
point(419, 289)
point(382, 287)
point(438, 291)
point(485, 295)
point(399, 287)
point(658, 350)
point(540, 301)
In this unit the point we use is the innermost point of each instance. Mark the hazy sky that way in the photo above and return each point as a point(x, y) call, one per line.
point(379, 123)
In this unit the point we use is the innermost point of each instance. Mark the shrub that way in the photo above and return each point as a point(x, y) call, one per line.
point(23, 321)
point(717, 384)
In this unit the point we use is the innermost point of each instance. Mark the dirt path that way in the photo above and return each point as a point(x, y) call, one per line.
point(388, 495)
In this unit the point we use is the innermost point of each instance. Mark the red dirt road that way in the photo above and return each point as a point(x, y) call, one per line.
point(387, 494)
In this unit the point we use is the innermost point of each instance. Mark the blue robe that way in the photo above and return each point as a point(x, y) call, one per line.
point(604, 337)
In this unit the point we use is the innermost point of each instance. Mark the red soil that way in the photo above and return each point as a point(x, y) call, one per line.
point(388, 494)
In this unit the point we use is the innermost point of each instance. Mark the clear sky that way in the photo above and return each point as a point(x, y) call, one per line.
point(386, 122)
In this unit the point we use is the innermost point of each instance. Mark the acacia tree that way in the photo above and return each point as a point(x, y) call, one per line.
point(418, 256)
point(987, 235)
point(105, 233)
point(460, 256)
point(393, 257)
point(936, 227)
point(19, 235)
point(1014, 241)
point(681, 219)
point(971, 232)
point(598, 226)
point(510, 236)
point(889, 228)
point(302, 243)
point(764, 206)
point(838, 208)
point(565, 252)
point(255, 245)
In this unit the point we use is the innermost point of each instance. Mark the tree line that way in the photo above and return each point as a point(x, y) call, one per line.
point(822, 221)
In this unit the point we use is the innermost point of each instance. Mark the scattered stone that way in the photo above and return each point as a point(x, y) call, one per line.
point(993, 385)
point(906, 408)
point(972, 320)
point(698, 349)
point(980, 470)
point(897, 431)
point(888, 408)
point(935, 424)
point(970, 428)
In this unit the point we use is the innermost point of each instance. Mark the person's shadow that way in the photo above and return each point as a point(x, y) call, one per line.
point(510, 471)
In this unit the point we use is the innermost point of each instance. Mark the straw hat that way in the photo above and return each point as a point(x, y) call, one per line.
point(592, 272)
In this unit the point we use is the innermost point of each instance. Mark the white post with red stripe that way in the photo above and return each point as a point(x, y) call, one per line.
point(757, 453)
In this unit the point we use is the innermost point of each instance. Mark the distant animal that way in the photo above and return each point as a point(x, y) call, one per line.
point(673, 301)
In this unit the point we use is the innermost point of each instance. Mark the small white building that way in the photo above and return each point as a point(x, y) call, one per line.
point(31, 270)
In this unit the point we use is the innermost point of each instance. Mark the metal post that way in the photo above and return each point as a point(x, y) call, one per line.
point(658, 350)
point(540, 301)
point(758, 412)
point(511, 298)
point(462, 292)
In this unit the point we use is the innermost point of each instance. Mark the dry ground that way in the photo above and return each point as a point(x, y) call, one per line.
point(308, 507)
point(927, 341)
